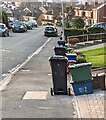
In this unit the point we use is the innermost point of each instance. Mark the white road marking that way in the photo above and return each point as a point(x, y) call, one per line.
point(6, 78)
point(6, 50)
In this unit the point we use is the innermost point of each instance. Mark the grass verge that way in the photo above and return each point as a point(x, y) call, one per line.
point(97, 57)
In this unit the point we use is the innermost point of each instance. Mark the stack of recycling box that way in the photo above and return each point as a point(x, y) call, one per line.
point(81, 78)
point(80, 73)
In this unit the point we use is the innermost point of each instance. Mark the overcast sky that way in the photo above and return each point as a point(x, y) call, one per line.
point(53, 0)
point(71, 0)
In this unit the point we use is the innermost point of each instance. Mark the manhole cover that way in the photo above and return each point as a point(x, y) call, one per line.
point(42, 95)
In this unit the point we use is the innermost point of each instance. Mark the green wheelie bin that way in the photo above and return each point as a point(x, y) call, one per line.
point(80, 72)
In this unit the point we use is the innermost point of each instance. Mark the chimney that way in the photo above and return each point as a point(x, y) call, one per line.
point(95, 3)
point(52, 11)
point(86, 3)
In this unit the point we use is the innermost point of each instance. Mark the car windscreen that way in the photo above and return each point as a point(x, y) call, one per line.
point(49, 28)
point(2, 26)
point(18, 24)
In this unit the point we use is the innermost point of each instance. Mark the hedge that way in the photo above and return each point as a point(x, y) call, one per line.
point(96, 30)
point(91, 30)
point(73, 32)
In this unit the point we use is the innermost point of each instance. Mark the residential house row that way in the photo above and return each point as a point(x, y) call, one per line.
point(91, 13)
point(44, 14)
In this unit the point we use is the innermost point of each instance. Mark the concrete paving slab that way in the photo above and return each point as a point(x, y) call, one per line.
point(35, 95)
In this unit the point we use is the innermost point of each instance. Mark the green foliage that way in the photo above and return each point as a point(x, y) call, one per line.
point(96, 57)
point(78, 23)
point(96, 30)
point(59, 23)
point(80, 57)
point(73, 41)
point(4, 18)
point(74, 31)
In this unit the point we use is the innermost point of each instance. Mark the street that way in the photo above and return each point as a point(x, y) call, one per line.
point(35, 77)
point(18, 46)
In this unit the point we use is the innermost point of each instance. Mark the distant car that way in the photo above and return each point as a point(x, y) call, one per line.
point(50, 31)
point(4, 31)
point(101, 24)
point(33, 23)
point(19, 27)
point(28, 24)
point(87, 26)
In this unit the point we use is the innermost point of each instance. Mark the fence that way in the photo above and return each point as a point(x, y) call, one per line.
point(89, 37)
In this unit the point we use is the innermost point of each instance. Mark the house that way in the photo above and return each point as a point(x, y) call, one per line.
point(9, 14)
point(46, 17)
point(93, 13)
point(28, 14)
point(79, 10)
point(99, 13)
point(88, 15)
point(96, 13)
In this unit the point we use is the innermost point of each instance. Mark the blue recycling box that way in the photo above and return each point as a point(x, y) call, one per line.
point(72, 57)
point(81, 88)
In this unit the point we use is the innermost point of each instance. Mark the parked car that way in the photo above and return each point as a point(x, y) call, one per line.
point(28, 24)
point(101, 24)
point(10, 23)
point(50, 31)
point(4, 31)
point(87, 26)
point(19, 27)
point(33, 23)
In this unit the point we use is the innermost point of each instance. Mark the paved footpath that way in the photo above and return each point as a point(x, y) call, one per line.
point(90, 106)
point(28, 93)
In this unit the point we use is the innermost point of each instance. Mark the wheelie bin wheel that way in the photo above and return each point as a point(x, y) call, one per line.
point(51, 90)
point(69, 91)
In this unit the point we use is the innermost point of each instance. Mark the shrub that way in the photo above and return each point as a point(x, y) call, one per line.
point(4, 18)
point(81, 59)
point(78, 22)
point(95, 30)
point(73, 41)
point(74, 32)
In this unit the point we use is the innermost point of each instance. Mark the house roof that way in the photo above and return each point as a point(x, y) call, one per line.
point(94, 7)
point(27, 10)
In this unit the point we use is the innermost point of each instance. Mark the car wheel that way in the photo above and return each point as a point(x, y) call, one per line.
point(4, 35)
point(8, 34)
point(13, 31)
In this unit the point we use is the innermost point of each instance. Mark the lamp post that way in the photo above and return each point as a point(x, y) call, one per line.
point(62, 2)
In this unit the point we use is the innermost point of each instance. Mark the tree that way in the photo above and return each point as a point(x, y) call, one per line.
point(4, 18)
point(69, 14)
point(78, 23)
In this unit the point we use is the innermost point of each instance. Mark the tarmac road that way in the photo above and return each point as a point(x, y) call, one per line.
point(35, 76)
point(19, 46)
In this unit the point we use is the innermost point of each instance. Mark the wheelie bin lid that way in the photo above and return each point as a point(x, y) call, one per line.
point(71, 54)
point(58, 57)
point(69, 48)
point(59, 47)
point(79, 65)
point(61, 41)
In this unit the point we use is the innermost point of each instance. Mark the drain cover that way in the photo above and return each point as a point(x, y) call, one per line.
point(36, 95)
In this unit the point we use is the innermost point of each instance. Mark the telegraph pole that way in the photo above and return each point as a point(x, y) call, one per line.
point(62, 2)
